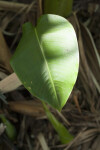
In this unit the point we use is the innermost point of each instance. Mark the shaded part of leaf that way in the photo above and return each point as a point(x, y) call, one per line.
point(35, 58)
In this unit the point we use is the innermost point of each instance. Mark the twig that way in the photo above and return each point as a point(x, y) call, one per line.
point(43, 142)
point(77, 103)
point(63, 118)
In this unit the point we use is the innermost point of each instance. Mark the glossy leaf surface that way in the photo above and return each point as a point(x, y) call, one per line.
point(47, 59)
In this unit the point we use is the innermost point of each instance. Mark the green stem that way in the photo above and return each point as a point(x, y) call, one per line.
point(58, 7)
point(10, 129)
point(64, 135)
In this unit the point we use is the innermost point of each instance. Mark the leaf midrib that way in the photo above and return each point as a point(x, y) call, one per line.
point(47, 66)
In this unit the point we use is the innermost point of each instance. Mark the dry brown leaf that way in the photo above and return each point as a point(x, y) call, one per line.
point(89, 84)
point(5, 55)
point(92, 56)
point(2, 75)
point(10, 83)
point(30, 108)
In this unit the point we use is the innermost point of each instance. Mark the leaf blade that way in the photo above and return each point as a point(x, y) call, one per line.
point(44, 57)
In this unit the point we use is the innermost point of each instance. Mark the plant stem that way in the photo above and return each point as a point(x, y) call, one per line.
point(58, 7)
point(64, 135)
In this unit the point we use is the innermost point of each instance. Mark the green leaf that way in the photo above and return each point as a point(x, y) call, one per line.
point(47, 59)
point(10, 129)
point(58, 7)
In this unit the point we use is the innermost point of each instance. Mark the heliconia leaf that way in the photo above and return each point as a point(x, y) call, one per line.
point(47, 59)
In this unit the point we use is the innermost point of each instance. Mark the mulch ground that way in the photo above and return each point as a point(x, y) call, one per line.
point(81, 114)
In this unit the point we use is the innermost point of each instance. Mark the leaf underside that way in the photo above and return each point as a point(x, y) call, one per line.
point(47, 59)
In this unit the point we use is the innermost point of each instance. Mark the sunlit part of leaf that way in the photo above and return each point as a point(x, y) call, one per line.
point(64, 135)
point(47, 59)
